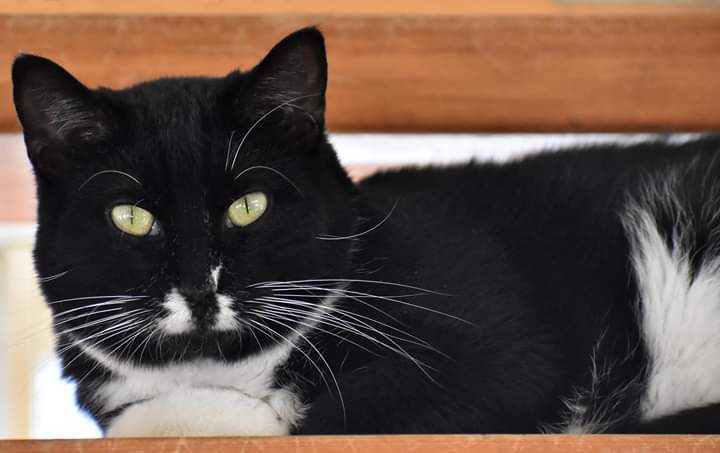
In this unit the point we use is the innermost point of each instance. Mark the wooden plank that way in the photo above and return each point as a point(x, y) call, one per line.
point(351, 7)
point(380, 444)
point(425, 72)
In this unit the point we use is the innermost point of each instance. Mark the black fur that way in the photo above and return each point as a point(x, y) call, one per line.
point(522, 270)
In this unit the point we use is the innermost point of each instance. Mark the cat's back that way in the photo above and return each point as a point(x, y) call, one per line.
point(618, 247)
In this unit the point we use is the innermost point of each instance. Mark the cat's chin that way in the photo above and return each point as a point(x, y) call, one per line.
point(199, 412)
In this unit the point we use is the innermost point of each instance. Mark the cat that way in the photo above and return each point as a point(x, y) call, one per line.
point(212, 269)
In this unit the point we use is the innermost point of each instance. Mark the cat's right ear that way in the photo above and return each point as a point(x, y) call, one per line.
point(56, 111)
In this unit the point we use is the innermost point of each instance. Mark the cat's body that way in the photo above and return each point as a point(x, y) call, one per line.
point(577, 291)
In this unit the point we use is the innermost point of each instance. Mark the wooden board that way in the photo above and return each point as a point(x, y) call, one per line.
point(466, 66)
point(380, 444)
point(352, 7)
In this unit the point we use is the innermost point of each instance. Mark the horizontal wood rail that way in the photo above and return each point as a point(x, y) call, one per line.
point(379, 444)
point(455, 65)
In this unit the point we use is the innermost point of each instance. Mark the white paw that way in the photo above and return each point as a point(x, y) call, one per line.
point(199, 412)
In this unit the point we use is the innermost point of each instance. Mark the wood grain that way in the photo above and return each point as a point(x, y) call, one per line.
point(350, 7)
point(429, 69)
point(380, 444)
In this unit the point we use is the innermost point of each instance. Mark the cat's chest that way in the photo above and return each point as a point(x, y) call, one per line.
point(246, 386)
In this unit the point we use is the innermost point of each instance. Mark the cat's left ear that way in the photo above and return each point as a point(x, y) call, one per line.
point(292, 77)
point(57, 112)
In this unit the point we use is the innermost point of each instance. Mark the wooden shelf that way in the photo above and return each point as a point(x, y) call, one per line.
point(348, 7)
point(379, 444)
point(409, 65)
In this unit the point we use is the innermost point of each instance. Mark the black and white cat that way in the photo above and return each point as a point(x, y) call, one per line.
point(212, 270)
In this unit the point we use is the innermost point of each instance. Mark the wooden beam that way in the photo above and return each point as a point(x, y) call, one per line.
point(555, 68)
point(379, 444)
point(351, 7)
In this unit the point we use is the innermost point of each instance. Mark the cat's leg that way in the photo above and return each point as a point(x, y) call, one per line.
point(393, 396)
point(198, 412)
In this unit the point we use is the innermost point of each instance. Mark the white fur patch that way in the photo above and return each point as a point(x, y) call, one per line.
point(179, 318)
point(680, 318)
point(199, 412)
point(225, 319)
point(215, 276)
point(161, 391)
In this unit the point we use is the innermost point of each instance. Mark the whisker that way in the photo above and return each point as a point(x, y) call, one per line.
point(348, 280)
point(277, 172)
point(85, 315)
point(52, 277)
point(389, 299)
point(330, 237)
point(297, 318)
point(118, 172)
point(355, 323)
point(229, 147)
point(268, 113)
point(264, 329)
point(103, 320)
point(418, 341)
point(72, 299)
point(322, 358)
point(86, 307)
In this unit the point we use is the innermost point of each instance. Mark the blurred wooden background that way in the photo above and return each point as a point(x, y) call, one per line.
point(410, 65)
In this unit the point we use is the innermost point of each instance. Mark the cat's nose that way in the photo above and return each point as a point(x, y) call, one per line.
point(202, 303)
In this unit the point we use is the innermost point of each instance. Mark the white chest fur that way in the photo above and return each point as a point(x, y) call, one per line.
point(201, 398)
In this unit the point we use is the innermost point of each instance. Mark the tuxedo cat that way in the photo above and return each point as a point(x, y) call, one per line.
point(212, 270)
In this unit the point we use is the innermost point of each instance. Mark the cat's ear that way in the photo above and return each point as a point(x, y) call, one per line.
point(292, 77)
point(55, 110)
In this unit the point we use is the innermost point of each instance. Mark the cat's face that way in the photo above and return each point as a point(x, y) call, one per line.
point(166, 210)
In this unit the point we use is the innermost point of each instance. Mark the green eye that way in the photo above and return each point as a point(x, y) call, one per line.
point(132, 220)
point(247, 209)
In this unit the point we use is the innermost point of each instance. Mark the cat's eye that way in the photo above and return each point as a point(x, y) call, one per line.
point(133, 220)
point(247, 209)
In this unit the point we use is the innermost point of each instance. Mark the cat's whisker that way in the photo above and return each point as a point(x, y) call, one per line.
point(322, 358)
point(288, 292)
point(268, 113)
point(330, 237)
point(298, 319)
point(102, 320)
point(252, 332)
point(277, 172)
point(73, 299)
point(343, 325)
point(355, 323)
point(154, 328)
point(85, 315)
point(114, 302)
point(393, 346)
point(229, 147)
point(102, 172)
point(418, 341)
point(74, 341)
point(46, 327)
point(385, 298)
point(348, 280)
point(52, 277)
point(265, 329)
point(104, 335)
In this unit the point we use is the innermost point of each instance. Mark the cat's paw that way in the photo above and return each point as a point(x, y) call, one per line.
point(199, 412)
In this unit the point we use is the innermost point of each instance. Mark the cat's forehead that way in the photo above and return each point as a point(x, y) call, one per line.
point(170, 103)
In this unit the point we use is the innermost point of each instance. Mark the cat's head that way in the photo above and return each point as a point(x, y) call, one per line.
point(174, 213)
